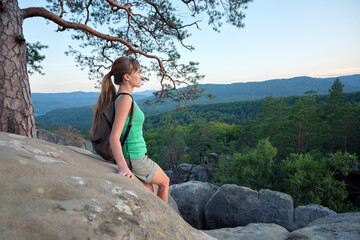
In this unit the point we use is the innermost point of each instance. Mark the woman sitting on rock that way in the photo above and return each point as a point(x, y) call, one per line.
point(126, 73)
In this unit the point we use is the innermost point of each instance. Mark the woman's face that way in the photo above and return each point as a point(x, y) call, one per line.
point(135, 78)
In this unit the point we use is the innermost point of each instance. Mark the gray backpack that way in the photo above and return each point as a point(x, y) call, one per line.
point(100, 139)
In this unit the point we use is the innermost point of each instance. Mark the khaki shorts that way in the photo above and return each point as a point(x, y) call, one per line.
point(144, 168)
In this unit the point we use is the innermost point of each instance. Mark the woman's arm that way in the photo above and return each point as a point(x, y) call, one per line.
point(123, 106)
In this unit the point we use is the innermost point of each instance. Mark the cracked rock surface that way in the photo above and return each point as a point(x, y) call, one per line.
point(49, 191)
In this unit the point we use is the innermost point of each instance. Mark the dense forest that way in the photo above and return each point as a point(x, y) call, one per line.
point(305, 146)
point(230, 112)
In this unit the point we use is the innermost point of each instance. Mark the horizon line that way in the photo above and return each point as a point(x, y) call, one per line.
point(335, 76)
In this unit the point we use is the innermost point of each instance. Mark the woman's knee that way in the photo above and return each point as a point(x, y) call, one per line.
point(166, 181)
point(161, 179)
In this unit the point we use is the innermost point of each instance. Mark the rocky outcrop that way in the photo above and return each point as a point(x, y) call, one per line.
point(304, 215)
point(253, 231)
point(46, 136)
point(233, 206)
point(188, 172)
point(50, 191)
point(54, 138)
point(343, 226)
point(191, 198)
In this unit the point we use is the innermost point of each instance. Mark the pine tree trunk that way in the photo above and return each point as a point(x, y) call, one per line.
point(16, 109)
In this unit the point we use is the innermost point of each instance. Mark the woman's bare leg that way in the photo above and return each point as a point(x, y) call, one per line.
point(162, 180)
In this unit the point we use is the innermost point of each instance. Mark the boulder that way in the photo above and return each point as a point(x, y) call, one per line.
point(46, 135)
point(185, 168)
point(342, 226)
point(50, 191)
point(58, 139)
point(202, 174)
point(303, 215)
point(276, 207)
point(231, 206)
point(253, 231)
point(191, 198)
point(188, 172)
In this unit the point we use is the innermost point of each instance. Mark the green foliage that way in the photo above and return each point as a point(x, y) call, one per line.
point(342, 163)
point(314, 181)
point(254, 166)
point(33, 57)
point(224, 173)
point(302, 177)
point(251, 168)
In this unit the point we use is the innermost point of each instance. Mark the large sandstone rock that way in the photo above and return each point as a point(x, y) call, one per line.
point(276, 207)
point(253, 231)
point(231, 206)
point(303, 215)
point(50, 191)
point(342, 226)
point(191, 198)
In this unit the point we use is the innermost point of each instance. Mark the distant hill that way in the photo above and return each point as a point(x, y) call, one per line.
point(257, 90)
point(45, 102)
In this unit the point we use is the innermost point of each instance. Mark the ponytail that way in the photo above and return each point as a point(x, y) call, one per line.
point(120, 67)
point(106, 96)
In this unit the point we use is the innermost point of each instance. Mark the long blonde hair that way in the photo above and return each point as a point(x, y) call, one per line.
point(120, 67)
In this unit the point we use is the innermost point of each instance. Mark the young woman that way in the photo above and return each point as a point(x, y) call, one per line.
point(126, 73)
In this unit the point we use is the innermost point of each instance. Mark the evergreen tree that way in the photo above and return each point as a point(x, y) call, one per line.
point(301, 131)
point(200, 139)
point(269, 121)
point(333, 115)
point(351, 127)
point(174, 143)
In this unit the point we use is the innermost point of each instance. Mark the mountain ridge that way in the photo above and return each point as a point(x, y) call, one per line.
point(45, 102)
point(257, 90)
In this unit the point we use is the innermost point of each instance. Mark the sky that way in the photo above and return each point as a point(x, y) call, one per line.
point(281, 39)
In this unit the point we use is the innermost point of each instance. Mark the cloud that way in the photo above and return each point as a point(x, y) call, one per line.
point(336, 72)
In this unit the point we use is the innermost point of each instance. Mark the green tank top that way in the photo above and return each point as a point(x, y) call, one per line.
point(135, 146)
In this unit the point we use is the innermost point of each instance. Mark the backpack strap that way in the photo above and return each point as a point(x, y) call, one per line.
point(131, 116)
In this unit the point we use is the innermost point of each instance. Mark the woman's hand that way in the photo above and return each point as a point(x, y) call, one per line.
point(125, 171)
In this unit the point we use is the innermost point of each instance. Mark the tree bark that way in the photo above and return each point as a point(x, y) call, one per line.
point(16, 109)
